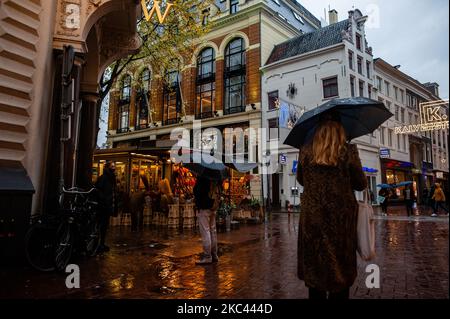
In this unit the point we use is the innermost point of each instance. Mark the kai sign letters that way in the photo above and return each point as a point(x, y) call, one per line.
point(433, 116)
point(156, 8)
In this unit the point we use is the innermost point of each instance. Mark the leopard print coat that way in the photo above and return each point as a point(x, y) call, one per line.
point(327, 238)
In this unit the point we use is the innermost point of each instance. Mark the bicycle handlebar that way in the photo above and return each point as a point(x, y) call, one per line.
point(76, 190)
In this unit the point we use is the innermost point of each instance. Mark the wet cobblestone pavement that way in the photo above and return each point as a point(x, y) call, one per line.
point(256, 261)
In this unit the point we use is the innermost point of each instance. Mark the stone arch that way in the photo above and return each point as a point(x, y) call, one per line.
point(230, 37)
point(101, 11)
point(200, 48)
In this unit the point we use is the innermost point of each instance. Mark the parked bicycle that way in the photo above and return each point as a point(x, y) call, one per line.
point(52, 240)
point(79, 231)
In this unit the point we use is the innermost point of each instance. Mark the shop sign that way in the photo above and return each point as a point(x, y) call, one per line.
point(283, 159)
point(433, 117)
point(440, 175)
point(416, 171)
point(156, 8)
point(294, 167)
point(385, 153)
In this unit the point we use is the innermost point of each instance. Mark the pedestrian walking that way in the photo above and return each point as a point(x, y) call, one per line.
point(207, 198)
point(329, 170)
point(409, 196)
point(166, 198)
point(137, 204)
point(439, 200)
point(385, 195)
point(106, 185)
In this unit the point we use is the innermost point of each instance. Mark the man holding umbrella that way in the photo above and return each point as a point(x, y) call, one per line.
point(207, 199)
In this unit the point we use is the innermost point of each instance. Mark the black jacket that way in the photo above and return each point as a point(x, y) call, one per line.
point(106, 186)
point(201, 194)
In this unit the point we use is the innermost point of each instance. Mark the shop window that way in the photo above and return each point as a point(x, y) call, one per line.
point(235, 78)
point(205, 83)
point(330, 87)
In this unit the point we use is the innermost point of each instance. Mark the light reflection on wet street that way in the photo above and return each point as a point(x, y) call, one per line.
point(256, 261)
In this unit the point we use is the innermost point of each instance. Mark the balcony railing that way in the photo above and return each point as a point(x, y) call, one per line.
point(142, 127)
point(204, 115)
point(172, 121)
point(207, 77)
point(234, 70)
point(233, 110)
point(123, 130)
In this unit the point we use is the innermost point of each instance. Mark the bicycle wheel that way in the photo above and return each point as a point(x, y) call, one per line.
point(93, 238)
point(40, 247)
point(64, 246)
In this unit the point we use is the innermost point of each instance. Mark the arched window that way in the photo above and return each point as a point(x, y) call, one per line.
point(205, 83)
point(125, 91)
point(124, 105)
point(145, 80)
point(172, 98)
point(235, 77)
point(142, 100)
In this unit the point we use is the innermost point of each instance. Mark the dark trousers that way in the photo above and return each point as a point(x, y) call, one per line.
point(104, 225)
point(437, 205)
point(384, 206)
point(315, 294)
point(409, 206)
point(137, 219)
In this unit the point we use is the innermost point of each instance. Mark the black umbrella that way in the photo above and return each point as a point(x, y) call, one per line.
point(242, 167)
point(359, 116)
point(205, 165)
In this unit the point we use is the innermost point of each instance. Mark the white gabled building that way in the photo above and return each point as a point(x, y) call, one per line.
point(332, 62)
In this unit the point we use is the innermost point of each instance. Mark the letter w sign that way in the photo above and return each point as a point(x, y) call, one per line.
point(156, 7)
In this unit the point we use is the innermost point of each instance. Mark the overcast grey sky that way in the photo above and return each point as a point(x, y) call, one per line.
point(412, 33)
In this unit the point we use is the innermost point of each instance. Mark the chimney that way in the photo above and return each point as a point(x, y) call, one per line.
point(333, 16)
point(432, 87)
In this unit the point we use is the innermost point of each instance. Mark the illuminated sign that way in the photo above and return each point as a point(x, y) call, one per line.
point(156, 8)
point(433, 116)
point(385, 153)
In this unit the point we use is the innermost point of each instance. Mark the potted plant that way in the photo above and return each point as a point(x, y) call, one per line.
point(224, 213)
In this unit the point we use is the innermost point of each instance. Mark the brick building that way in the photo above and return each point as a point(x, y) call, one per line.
point(220, 83)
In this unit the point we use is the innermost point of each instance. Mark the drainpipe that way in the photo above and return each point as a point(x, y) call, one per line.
point(77, 137)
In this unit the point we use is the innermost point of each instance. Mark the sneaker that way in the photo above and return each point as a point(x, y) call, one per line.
point(215, 259)
point(433, 215)
point(204, 261)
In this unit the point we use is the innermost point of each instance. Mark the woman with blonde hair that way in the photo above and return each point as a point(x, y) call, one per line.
point(329, 170)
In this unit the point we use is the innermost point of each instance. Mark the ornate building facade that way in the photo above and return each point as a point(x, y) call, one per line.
point(32, 36)
point(220, 83)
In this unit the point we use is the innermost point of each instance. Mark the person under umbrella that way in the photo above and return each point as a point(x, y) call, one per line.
point(330, 171)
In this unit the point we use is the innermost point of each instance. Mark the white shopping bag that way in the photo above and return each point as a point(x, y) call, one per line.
point(366, 229)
